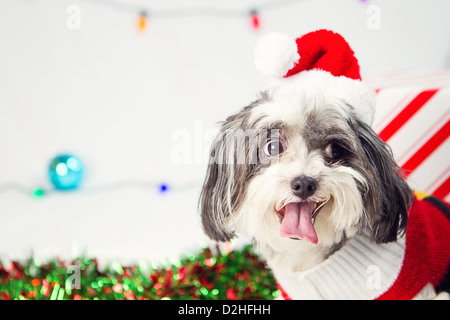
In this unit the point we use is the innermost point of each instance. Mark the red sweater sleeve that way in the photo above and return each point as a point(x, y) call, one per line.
point(427, 249)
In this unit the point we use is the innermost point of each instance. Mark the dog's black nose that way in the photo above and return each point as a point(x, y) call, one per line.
point(304, 186)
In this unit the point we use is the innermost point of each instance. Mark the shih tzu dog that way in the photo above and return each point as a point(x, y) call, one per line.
point(302, 173)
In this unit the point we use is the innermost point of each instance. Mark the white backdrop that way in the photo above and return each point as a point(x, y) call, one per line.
point(118, 99)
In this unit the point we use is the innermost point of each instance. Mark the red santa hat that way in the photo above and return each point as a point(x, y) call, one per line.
point(323, 53)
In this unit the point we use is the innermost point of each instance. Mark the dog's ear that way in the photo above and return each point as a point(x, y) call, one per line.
point(387, 197)
point(234, 159)
point(215, 198)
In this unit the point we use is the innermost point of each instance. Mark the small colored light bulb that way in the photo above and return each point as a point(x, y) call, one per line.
point(254, 20)
point(163, 187)
point(142, 21)
point(38, 192)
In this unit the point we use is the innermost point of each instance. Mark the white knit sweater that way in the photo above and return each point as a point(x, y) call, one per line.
point(361, 269)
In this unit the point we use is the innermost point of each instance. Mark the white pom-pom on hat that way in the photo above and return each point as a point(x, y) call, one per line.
point(275, 54)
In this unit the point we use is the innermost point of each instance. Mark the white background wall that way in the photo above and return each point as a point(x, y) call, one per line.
point(115, 97)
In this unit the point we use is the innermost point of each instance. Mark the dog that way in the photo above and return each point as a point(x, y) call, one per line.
point(302, 173)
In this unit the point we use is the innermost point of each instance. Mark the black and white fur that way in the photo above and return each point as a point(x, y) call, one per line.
point(318, 137)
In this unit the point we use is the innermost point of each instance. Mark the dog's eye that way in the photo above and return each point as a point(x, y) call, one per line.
point(334, 151)
point(273, 148)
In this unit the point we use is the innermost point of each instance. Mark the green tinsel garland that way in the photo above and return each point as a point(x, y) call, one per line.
point(238, 274)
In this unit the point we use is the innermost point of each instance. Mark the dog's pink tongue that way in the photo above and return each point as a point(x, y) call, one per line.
point(297, 222)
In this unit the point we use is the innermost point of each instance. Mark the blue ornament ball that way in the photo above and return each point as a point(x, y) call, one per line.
point(66, 172)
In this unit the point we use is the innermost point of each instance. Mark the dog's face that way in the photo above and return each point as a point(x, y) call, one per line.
point(301, 165)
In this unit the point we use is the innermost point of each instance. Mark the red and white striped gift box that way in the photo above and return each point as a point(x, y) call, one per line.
point(413, 117)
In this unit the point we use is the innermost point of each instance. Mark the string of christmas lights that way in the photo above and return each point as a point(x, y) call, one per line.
point(144, 13)
point(66, 173)
point(147, 185)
